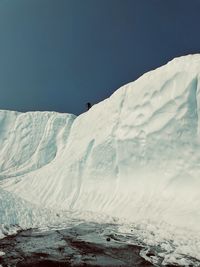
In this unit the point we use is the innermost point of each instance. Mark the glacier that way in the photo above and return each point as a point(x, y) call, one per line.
point(134, 156)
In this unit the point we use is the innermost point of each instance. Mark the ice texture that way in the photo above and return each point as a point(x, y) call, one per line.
point(135, 155)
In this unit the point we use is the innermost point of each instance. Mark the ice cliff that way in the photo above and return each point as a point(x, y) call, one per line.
point(135, 155)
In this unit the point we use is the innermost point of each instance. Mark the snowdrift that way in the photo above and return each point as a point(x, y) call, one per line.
point(135, 155)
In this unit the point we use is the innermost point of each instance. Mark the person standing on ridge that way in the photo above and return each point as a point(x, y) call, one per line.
point(88, 105)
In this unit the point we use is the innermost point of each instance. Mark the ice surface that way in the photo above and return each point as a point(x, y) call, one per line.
point(135, 155)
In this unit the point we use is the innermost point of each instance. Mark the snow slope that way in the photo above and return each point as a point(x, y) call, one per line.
point(135, 155)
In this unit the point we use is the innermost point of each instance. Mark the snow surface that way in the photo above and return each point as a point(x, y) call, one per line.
point(135, 155)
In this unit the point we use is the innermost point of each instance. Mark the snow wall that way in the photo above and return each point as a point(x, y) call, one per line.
point(135, 155)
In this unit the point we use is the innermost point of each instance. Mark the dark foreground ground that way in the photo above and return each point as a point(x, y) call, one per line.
point(82, 245)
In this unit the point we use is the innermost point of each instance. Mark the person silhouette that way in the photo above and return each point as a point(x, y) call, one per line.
point(88, 105)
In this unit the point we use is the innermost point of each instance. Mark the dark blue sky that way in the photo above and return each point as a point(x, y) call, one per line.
point(60, 54)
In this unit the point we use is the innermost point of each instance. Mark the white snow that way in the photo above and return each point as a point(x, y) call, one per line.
point(2, 253)
point(17, 214)
point(135, 155)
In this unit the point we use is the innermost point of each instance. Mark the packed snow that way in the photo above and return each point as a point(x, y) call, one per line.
point(134, 156)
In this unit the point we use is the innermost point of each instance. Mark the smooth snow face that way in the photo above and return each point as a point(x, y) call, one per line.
point(134, 155)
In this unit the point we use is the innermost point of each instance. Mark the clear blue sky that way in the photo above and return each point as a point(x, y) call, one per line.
point(60, 54)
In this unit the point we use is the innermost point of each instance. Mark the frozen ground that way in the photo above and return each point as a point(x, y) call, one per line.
point(87, 244)
point(135, 156)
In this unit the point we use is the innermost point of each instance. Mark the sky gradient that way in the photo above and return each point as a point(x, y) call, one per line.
point(60, 54)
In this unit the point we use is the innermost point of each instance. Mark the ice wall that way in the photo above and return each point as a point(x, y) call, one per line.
point(31, 140)
point(134, 155)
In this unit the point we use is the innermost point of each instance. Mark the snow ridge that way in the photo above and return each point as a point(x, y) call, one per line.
point(135, 155)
